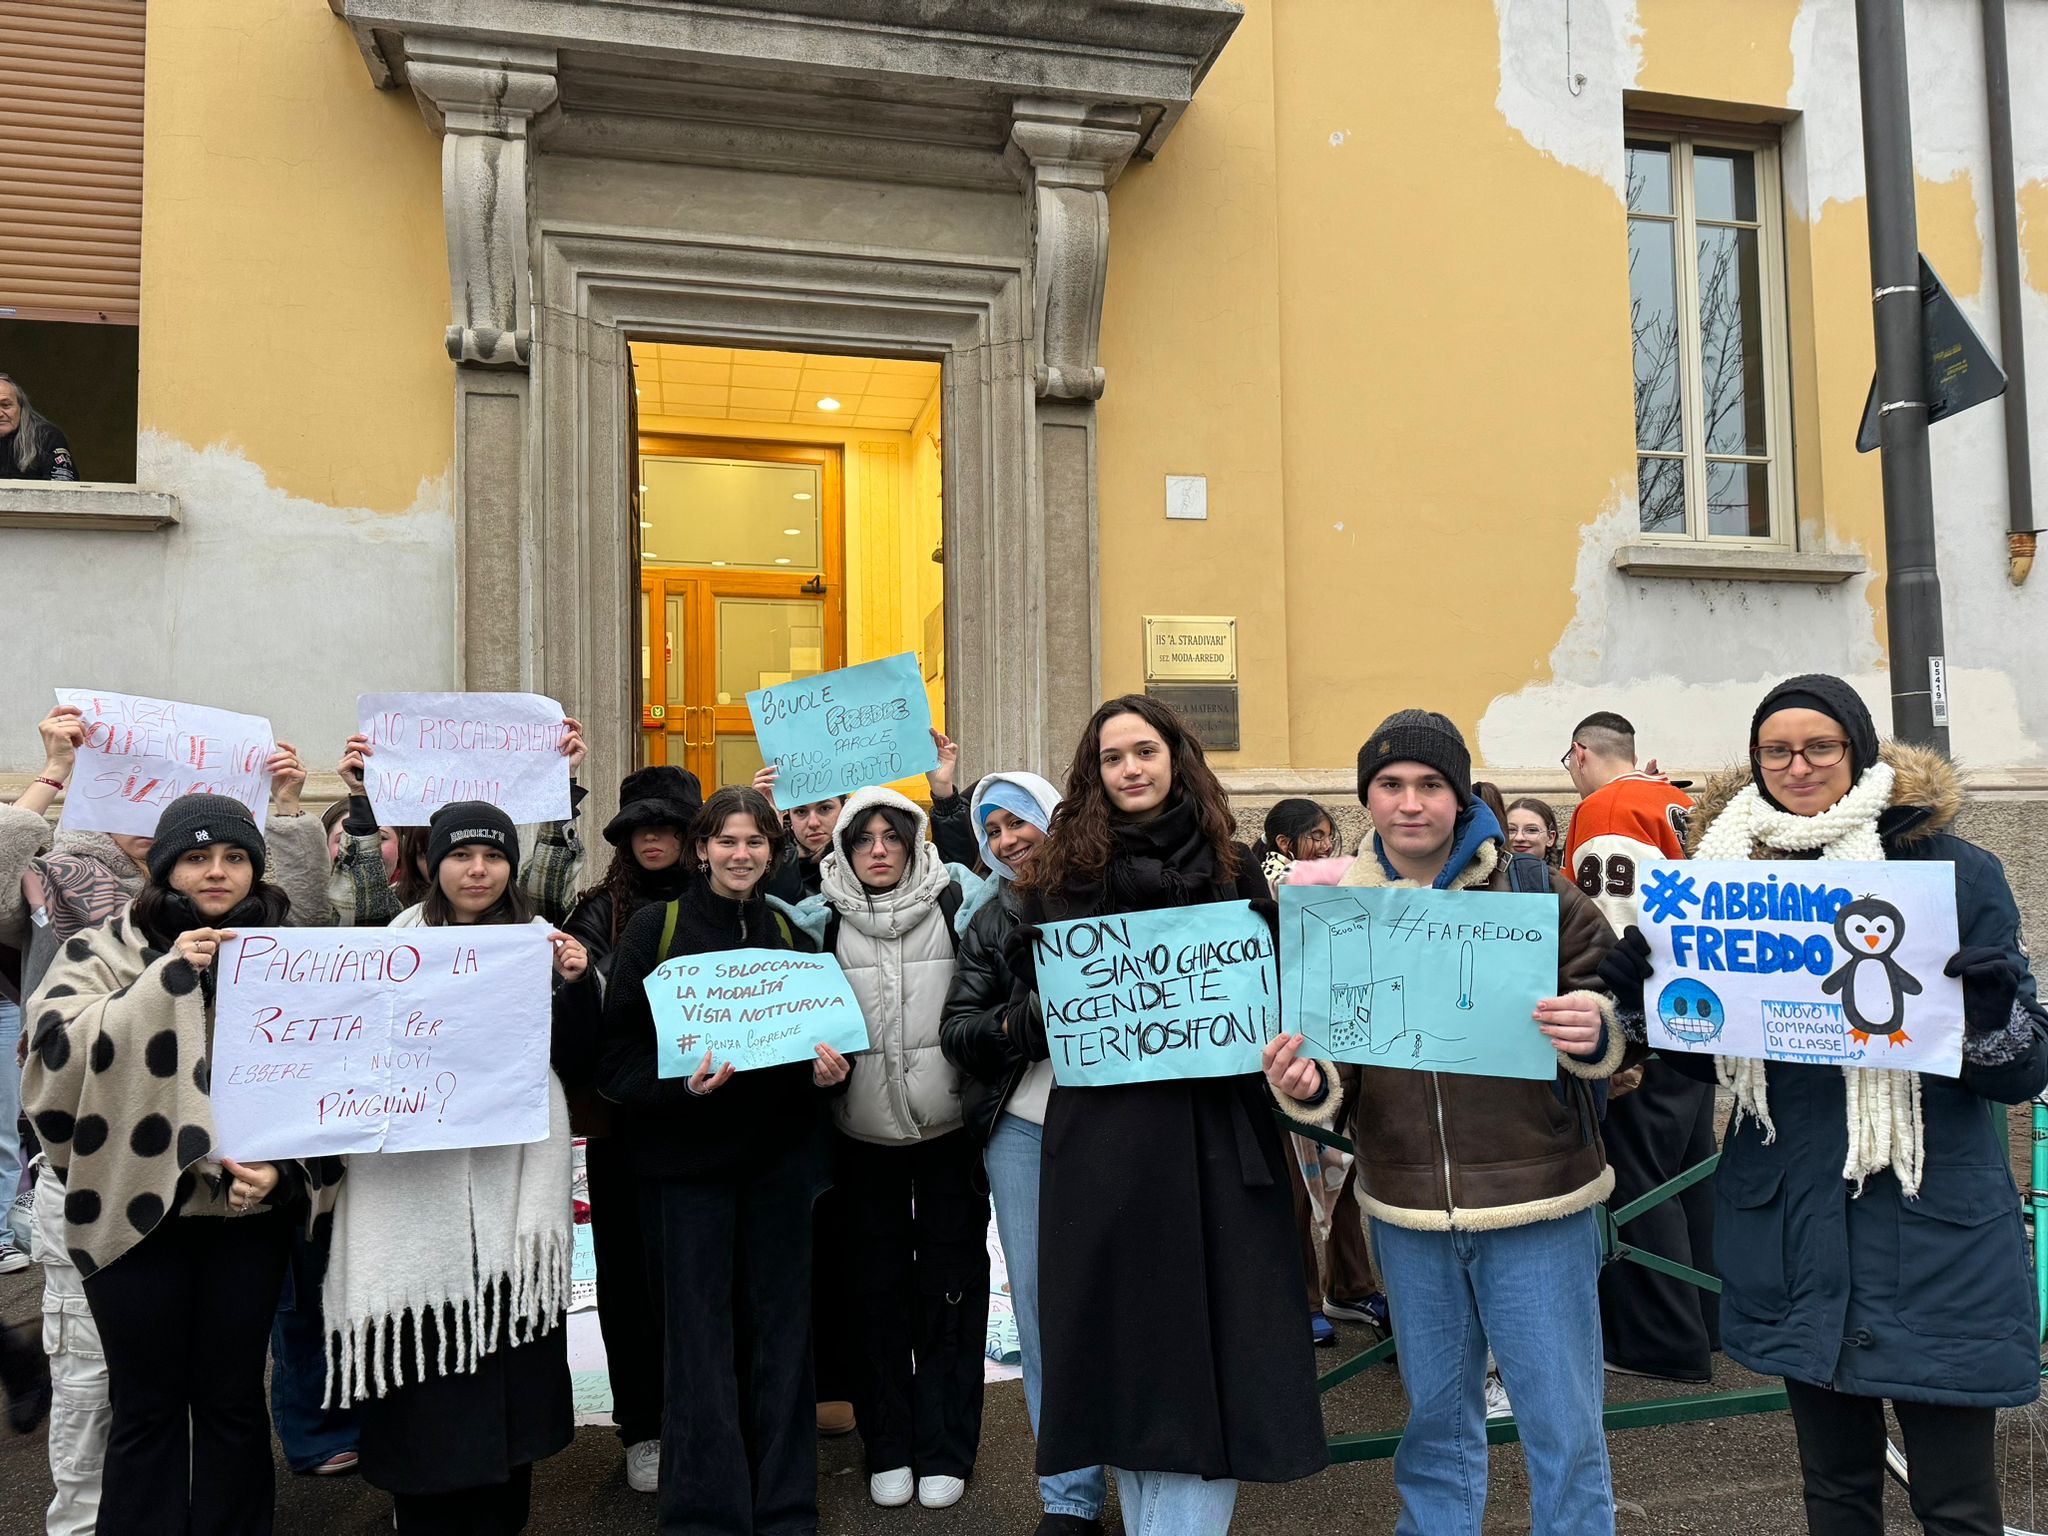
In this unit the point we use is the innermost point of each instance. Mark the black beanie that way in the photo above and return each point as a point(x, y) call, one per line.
point(660, 796)
point(470, 821)
point(1831, 697)
point(200, 821)
point(1418, 736)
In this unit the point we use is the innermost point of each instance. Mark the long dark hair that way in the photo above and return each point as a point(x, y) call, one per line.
point(621, 880)
point(162, 913)
point(31, 428)
point(740, 800)
point(1289, 819)
point(514, 906)
point(1078, 846)
point(413, 887)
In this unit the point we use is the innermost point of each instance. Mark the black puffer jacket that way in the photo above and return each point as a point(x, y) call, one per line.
point(972, 1029)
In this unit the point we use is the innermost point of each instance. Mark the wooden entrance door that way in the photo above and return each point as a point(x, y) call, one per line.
point(728, 610)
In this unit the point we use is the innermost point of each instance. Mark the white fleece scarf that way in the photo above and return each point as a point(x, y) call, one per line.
point(1885, 1125)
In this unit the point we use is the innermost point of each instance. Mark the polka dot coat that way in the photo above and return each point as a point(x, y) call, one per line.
point(116, 1086)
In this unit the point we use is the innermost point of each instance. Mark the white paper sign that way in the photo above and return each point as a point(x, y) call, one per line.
point(1832, 962)
point(433, 748)
point(332, 1040)
point(140, 754)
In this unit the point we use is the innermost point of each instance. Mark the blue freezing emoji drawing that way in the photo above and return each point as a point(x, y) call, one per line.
point(1691, 1011)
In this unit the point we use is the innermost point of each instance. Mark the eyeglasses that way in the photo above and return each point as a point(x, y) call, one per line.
point(869, 840)
point(1818, 754)
point(1566, 760)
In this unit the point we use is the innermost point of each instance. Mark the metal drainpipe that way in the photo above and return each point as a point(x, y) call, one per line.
point(2019, 473)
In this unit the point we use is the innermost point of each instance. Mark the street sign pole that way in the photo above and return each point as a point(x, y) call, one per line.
point(1912, 583)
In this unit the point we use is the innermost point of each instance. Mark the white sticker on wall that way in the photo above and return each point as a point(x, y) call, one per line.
point(1187, 496)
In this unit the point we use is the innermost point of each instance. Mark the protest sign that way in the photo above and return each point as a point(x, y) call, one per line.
point(750, 1007)
point(429, 749)
point(331, 1040)
point(140, 754)
point(1144, 996)
point(1833, 961)
point(840, 731)
point(1432, 981)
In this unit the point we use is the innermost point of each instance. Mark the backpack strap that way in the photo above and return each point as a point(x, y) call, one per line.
point(950, 898)
point(1528, 875)
point(782, 927)
point(668, 928)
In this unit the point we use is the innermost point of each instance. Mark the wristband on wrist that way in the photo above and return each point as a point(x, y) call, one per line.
point(44, 778)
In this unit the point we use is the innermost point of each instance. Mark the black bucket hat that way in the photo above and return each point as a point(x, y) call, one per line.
point(661, 796)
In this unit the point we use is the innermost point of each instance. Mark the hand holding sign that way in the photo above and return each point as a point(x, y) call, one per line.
point(136, 755)
point(1825, 961)
point(1440, 981)
point(417, 752)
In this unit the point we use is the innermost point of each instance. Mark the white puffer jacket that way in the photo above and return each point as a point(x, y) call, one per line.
point(896, 948)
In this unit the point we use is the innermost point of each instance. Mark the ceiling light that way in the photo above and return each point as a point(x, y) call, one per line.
point(718, 562)
point(782, 559)
point(827, 403)
point(645, 524)
point(793, 532)
point(643, 490)
point(801, 496)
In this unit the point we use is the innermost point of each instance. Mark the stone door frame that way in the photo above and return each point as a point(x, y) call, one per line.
point(601, 288)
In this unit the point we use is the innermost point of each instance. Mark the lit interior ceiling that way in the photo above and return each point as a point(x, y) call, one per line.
point(738, 384)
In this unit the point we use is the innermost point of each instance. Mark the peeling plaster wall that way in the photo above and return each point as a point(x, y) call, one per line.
point(258, 601)
point(1687, 659)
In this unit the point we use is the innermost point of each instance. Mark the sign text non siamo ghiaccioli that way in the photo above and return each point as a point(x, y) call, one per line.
point(1142, 996)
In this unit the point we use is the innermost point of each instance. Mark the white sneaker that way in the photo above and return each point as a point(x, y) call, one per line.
point(890, 1489)
point(1497, 1404)
point(938, 1492)
point(12, 1259)
point(643, 1466)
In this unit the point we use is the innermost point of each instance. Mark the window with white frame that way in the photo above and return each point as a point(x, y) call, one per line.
point(1707, 314)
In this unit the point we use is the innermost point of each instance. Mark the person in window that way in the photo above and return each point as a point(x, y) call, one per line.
point(32, 447)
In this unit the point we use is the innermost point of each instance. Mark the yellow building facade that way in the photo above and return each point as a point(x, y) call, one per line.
point(1376, 286)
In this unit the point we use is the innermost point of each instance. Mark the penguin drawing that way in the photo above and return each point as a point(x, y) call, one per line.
point(1873, 985)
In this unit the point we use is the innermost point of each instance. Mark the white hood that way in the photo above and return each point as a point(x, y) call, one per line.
point(1040, 790)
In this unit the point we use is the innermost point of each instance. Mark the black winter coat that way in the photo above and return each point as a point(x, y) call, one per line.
point(1165, 1213)
point(1931, 1299)
point(758, 1118)
point(971, 1031)
point(591, 921)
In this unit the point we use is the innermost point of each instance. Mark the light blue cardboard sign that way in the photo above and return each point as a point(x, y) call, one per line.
point(1433, 981)
point(845, 730)
point(1178, 992)
point(750, 1007)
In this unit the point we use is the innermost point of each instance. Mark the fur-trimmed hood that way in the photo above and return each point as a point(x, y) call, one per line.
point(1926, 799)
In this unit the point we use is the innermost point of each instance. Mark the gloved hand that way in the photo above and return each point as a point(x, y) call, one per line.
point(1990, 987)
point(1020, 954)
point(1024, 1024)
point(1626, 968)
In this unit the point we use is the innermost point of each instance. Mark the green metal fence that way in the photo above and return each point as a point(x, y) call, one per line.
point(1643, 1415)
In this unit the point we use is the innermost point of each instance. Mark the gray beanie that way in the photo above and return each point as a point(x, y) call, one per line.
point(1418, 736)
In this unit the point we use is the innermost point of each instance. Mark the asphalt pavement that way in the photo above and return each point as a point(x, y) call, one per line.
point(1704, 1479)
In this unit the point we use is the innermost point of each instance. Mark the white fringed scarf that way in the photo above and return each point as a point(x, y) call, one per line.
point(1885, 1126)
point(478, 1238)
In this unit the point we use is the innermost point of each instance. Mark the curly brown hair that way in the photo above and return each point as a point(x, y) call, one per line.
point(1078, 846)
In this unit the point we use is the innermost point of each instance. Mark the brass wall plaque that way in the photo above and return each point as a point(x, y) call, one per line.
point(1210, 709)
point(1190, 648)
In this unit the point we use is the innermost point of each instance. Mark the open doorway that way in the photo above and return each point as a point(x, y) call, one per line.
point(790, 517)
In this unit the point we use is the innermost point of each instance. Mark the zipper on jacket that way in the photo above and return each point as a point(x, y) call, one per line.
point(1443, 1143)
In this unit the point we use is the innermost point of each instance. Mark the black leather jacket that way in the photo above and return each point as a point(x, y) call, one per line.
point(971, 1029)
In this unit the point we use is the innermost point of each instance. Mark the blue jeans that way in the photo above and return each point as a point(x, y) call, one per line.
point(1013, 1159)
point(309, 1433)
point(10, 1118)
point(1175, 1503)
point(1532, 1293)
